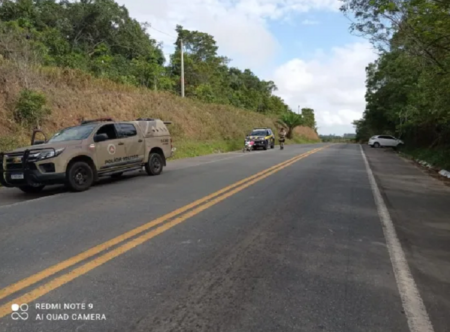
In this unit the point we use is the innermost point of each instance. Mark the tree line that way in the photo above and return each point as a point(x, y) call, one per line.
point(100, 37)
point(408, 85)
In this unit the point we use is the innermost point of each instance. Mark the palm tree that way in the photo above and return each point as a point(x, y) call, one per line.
point(290, 120)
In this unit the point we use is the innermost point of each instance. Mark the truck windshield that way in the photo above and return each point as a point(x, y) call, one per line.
point(72, 134)
point(258, 133)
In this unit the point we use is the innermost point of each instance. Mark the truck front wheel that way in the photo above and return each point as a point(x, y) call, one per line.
point(154, 165)
point(80, 176)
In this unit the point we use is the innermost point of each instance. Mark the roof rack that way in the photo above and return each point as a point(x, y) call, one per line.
point(97, 120)
point(145, 119)
point(151, 119)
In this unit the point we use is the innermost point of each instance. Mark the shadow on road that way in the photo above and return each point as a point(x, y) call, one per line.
point(14, 195)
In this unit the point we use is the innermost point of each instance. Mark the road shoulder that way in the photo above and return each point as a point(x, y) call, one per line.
point(419, 206)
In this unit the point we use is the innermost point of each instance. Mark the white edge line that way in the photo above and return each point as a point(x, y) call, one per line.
point(415, 311)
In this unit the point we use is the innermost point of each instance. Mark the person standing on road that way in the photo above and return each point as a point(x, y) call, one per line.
point(282, 137)
point(282, 134)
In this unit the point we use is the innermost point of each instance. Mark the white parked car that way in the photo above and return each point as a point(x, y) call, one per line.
point(378, 141)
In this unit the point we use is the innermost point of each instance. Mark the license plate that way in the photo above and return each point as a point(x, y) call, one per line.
point(17, 176)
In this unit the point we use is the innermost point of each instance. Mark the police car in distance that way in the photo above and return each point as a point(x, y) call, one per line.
point(263, 138)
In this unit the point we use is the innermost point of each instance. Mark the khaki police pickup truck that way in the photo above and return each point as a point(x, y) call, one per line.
point(78, 156)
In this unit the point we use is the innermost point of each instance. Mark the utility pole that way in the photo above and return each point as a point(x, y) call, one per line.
point(298, 111)
point(182, 68)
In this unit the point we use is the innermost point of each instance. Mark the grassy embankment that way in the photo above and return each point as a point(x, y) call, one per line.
point(439, 158)
point(197, 129)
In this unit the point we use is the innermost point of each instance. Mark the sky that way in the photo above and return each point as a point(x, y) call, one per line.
point(304, 46)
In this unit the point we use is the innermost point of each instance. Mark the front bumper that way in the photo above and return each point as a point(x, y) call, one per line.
point(260, 143)
point(27, 172)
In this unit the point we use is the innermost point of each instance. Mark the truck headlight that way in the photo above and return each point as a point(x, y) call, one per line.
point(49, 154)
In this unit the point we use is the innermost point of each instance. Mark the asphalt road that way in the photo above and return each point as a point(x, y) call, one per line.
point(296, 247)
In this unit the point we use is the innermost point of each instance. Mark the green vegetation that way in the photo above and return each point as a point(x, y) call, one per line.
point(189, 148)
point(290, 120)
point(90, 58)
point(437, 157)
point(407, 86)
point(99, 37)
point(346, 138)
point(30, 108)
point(8, 143)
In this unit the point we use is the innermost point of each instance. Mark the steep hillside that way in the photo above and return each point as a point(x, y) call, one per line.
point(70, 95)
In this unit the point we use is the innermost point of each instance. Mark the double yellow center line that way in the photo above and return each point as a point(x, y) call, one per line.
point(166, 222)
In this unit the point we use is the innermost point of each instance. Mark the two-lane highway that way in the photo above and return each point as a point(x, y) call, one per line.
point(286, 240)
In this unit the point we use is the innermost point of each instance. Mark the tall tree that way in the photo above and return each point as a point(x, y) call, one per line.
point(406, 87)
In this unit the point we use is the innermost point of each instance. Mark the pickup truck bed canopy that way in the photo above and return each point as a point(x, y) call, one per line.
point(153, 127)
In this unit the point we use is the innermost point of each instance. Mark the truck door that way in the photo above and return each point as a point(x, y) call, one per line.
point(109, 154)
point(134, 143)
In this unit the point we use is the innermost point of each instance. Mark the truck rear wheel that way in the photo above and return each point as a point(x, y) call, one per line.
point(80, 176)
point(155, 164)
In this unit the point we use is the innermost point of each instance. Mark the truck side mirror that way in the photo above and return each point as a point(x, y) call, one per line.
point(100, 138)
point(38, 142)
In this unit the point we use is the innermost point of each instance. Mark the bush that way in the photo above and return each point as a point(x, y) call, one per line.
point(30, 108)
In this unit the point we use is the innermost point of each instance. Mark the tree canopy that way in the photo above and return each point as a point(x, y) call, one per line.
point(100, 37)
point(407, 86)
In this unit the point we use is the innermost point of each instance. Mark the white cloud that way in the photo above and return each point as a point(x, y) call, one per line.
point(333, 84)
point(310, 22)
point(239, 26)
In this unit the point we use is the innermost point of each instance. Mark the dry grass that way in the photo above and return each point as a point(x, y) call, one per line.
point(306, 132)
point(72, 95)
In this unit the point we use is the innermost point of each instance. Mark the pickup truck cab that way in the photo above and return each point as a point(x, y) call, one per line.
point(78, 156)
